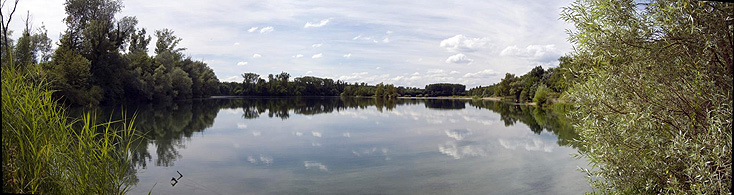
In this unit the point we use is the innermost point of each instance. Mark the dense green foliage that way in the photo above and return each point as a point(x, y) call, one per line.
point(553, 82)
point(655, 105)
point(445, 89)
point(45, 152)
point(281, 85)
point(101, 59)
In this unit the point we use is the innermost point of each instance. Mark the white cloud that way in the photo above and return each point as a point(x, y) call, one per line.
point(253, 29)
point(256, 133)
point(236, 43)
point(317, 45)
point(370, 39)
point(454, 72)
point(353, 76)
point(309, 72)
point(389, 32)
point(347, 134)
point(266, 29)
point(481, 74)
point(242, 63)
point(298, 56)
point(543, 53)
point(232, 79)
point(461, 43)
point(378, 68)
point(256, 56)
point(349, 55)
point(319, 55)
point(320, 24)
point(299, 134)
point(458, 59)
point(435, 71)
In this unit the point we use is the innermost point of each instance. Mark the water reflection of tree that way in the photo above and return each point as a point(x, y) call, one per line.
point(166, 126)
point(535, 118)
point(445, 104)
point(282, 107)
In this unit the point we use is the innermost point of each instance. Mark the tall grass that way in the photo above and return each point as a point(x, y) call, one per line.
point(46, 152)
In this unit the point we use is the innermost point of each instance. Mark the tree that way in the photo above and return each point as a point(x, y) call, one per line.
point(69, 73)
point(249, 82)
point(541, 96)
point(180, 84)
point(379, 91)
point(655, 101)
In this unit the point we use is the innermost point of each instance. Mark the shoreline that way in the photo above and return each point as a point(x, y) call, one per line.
point(497, 99)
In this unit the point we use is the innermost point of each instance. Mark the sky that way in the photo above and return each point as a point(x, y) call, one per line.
point(408, 43)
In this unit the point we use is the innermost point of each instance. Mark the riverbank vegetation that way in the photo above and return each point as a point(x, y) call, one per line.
point(282, 85)
point(540, 86)
point(648, 86)
point(101, 59)
point(45, 151)
point(654, 105)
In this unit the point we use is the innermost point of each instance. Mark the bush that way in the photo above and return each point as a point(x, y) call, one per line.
point(44, 152)
point(541, 95)
point(655, 110)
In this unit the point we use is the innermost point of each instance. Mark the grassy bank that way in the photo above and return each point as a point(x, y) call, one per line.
point(45, 152)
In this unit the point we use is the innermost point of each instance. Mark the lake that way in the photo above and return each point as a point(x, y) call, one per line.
point(333, 145)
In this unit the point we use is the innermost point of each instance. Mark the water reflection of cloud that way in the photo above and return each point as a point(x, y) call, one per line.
point(241, 126)
point(232, 111)
point(374, 151)
point(353, 114)
point(314, 164)
point(266, 160)
point(461, 149)
point(347, 134)
point(316, 144)
point(299, 134)
point(529, 144)
point(458, 134)
point(472, 119)
point(316, 134)
point(256, 133)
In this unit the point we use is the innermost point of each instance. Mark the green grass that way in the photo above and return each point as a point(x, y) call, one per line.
point(45, 152)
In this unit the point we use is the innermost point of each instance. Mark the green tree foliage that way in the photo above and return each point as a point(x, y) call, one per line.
point(380, 90)
point(541, 96)
point(655, 107)
point(32, 48)
point(69, 74)
point(445, 89)
point(113, 76)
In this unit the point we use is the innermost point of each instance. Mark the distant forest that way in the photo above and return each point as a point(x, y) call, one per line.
point(102, 59)
point(281, 85)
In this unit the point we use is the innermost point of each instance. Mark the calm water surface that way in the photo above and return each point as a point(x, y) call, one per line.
point(354, 146)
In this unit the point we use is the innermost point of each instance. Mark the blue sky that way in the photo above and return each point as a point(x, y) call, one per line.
point(408, 43)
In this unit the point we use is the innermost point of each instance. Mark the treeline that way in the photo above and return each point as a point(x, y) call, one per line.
point(281, 85)
point(103, 59)
point(538, 85)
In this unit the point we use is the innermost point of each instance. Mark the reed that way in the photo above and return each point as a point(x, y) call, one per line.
point(45, 151)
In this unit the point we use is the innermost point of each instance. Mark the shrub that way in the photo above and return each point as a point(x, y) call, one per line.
point(45, 152)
